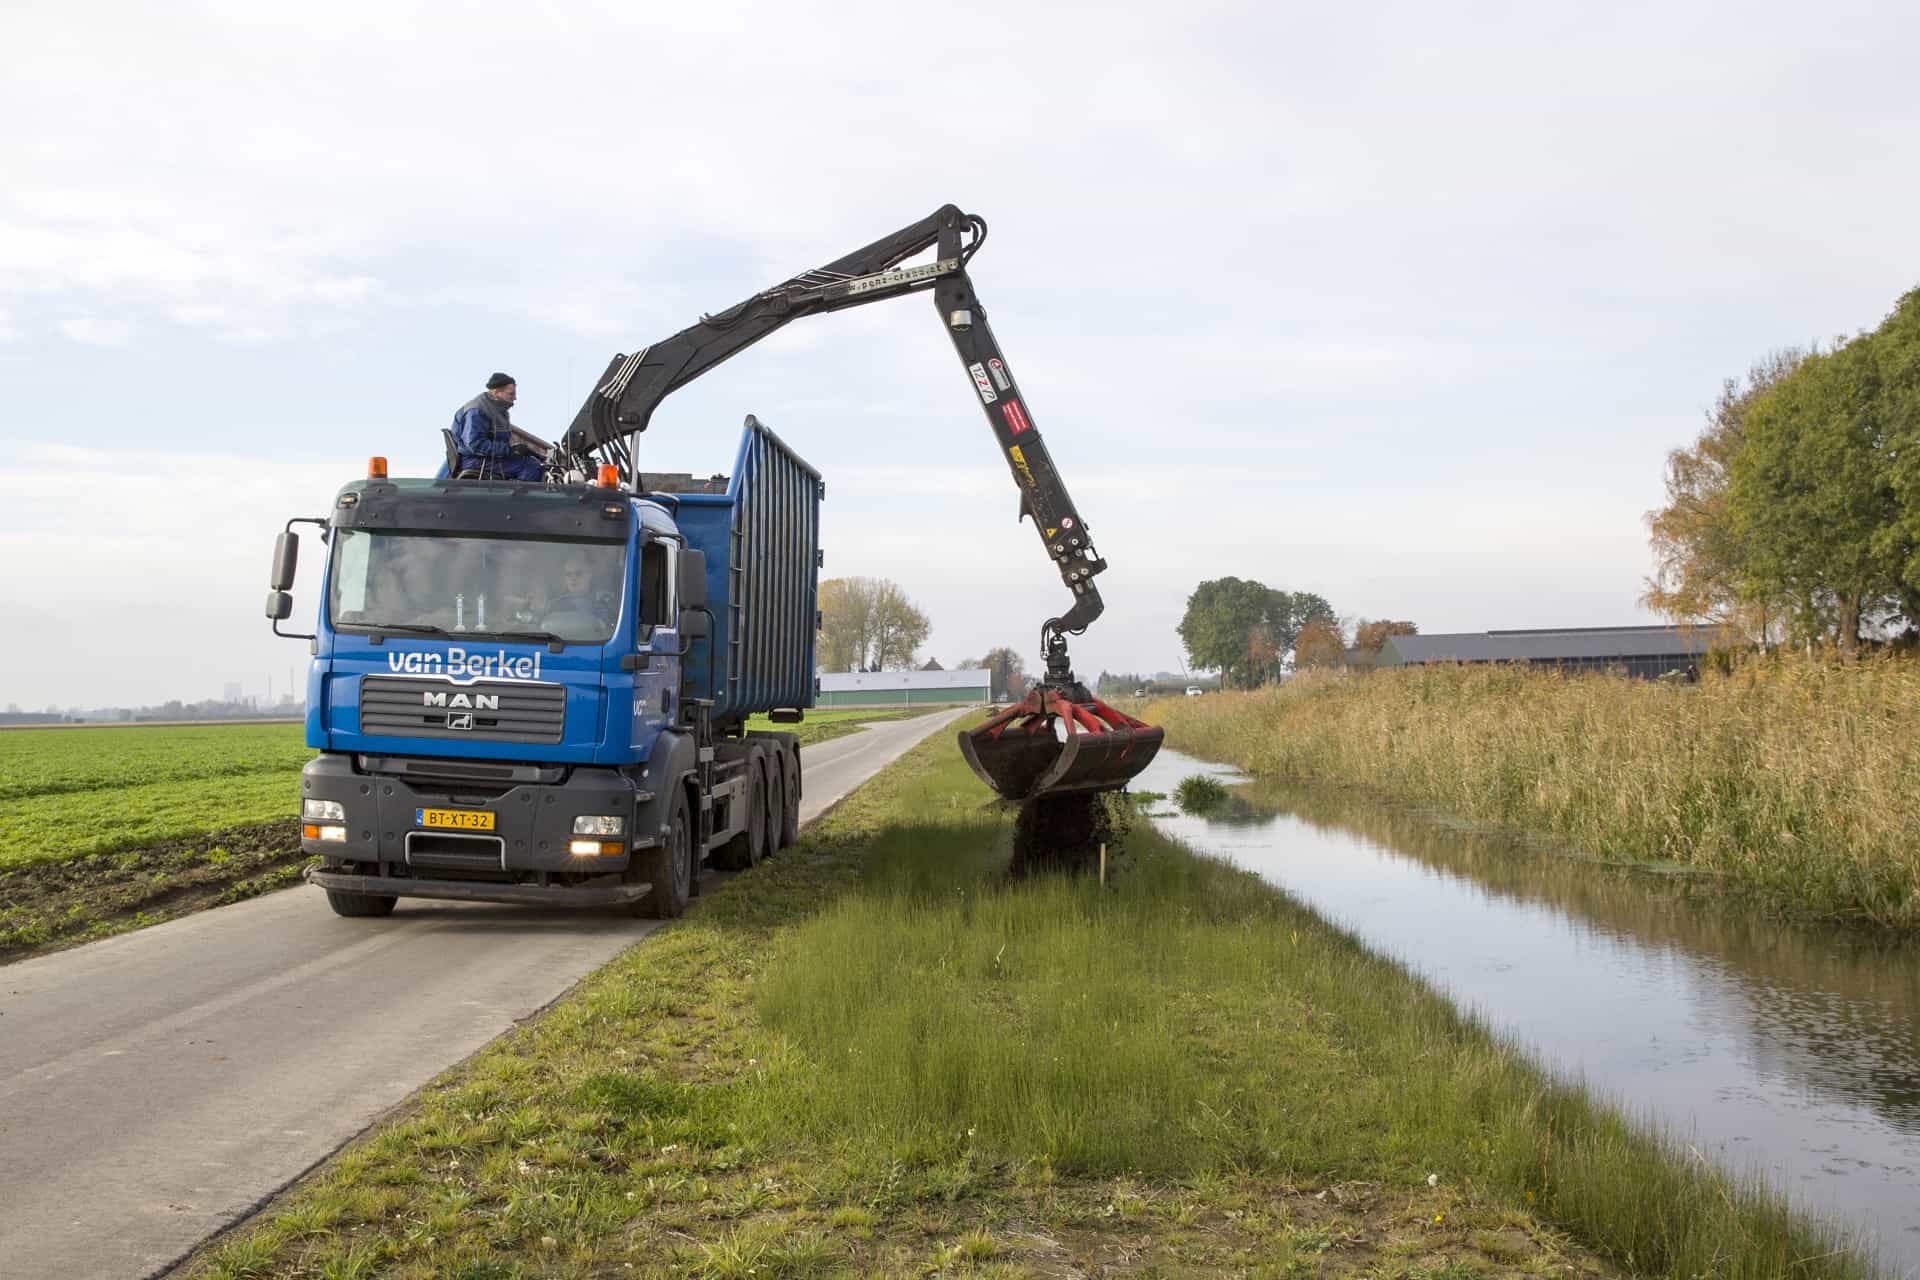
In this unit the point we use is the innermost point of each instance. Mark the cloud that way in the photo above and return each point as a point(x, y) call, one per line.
point(97, 331)
point(153, 566)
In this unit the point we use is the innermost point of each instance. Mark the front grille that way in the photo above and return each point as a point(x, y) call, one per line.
point(434, 850)
point(410, 708)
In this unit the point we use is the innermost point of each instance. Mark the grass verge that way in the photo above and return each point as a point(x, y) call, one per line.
point(819, 726)
point(1797, 779)
point(878, 1054)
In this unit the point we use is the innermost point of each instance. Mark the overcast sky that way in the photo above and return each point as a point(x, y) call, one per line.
point(1402, 304)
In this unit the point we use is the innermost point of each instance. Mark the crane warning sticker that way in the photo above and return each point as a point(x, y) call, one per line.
point(981, 381)
point(1020, 465)
point(1016, 417)
point(999, 372)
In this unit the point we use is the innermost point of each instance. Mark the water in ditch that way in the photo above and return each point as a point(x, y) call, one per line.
point(1785, 1049)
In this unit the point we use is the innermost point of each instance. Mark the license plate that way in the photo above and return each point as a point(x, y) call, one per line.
point(454, 819)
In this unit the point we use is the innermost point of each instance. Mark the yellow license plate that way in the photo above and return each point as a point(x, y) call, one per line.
point(454, 819)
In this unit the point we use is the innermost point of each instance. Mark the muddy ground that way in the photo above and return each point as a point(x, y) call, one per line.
point(47, 906)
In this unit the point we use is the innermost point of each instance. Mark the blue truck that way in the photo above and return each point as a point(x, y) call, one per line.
point(538, 693)
point(537, 690)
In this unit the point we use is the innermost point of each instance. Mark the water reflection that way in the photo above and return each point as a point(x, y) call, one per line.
point(1777, 1047)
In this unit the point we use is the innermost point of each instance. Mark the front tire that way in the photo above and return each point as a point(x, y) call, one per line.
point(360, 904)
point(668, 866)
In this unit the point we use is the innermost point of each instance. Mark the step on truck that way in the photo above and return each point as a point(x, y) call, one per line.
point(538, 693)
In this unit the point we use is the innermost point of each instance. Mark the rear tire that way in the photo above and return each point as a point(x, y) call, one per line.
point(360, 904)
point(776, 792)
point(790, 796)
point(668, 866)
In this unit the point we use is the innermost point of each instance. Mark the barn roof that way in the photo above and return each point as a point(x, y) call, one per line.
point(1550, 645)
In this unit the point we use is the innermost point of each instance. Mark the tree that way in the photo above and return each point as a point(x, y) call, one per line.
point(1243, 628)
point(1372, 636)
point(1009, 672)
point(1811, 497)
point(868, 623)
point(1702, 570)
point(1897, 353)
point(1319, 644)
point(899, 627)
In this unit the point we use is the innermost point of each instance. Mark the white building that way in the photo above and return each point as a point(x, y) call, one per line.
point(904, 688)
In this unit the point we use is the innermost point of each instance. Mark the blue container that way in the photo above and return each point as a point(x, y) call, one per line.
point(762, 544)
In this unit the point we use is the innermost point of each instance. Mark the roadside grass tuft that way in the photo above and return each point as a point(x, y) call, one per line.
point(877, 1053)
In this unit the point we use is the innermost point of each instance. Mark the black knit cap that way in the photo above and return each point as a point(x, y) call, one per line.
point(498, 381)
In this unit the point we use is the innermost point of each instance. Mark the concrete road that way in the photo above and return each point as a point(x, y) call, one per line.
point(157, 1087)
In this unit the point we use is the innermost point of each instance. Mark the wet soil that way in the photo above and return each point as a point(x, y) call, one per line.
point(1064, 833)
point(47, 906)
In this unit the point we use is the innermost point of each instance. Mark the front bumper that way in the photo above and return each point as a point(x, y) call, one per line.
point(533, 816)
point(531, 895)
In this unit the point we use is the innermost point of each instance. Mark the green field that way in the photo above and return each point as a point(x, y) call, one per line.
point(70, 793)
point(67, 793)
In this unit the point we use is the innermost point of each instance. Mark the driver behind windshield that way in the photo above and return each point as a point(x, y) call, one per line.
point(576, 594)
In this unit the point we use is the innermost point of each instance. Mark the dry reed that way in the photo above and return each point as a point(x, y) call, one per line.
point(1798, 777)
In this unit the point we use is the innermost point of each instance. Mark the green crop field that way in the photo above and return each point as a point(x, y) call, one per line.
point(66, 793)
point(69, 793)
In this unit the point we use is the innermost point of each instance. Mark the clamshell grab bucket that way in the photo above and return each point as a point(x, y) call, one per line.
point(1049, 745)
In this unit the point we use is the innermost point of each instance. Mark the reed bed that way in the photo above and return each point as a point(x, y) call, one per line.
point(1797, 777)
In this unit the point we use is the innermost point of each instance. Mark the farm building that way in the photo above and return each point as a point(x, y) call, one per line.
point(903, 688)
point(1647, 652)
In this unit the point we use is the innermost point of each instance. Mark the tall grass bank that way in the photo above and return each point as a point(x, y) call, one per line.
point(1798, 778)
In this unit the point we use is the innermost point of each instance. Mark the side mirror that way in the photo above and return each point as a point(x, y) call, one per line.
point(286, 554)
point(693, 624)
point(693, 583)
point(279, 604)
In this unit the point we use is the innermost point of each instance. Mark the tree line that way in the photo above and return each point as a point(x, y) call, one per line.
point(1247, 630)
point(1795, 515)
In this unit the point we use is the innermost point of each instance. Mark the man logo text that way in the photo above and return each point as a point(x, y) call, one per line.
point(475, 702)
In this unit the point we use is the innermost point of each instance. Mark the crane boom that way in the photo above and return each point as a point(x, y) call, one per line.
point(622, 402)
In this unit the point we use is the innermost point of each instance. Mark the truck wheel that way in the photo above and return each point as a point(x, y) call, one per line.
point(360, 904)
point(790, 796)
point(747, 848)
point(776, 792)
point(668, 866)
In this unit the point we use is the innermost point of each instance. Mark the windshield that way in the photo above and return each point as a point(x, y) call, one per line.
point(469, 585)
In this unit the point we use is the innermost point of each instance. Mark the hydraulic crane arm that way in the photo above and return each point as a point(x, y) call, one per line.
point(622, 402)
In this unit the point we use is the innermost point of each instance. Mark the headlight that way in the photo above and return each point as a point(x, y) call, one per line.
point(605, 824)
point(312, 832)
point(323, 811)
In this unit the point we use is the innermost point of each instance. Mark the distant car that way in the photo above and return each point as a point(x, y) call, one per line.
point(1193, 691)
point(1139, 693)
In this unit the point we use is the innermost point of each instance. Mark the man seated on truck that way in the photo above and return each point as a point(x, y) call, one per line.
point(483, 435)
